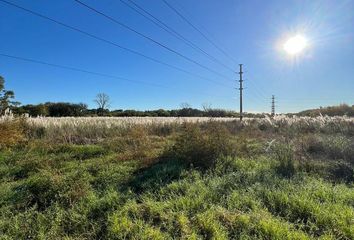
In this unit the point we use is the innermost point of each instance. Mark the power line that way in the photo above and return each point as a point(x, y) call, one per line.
point(199, 31)
point(255, 97)
point(78, 70)
point(307, 99)
point(149, 38)
point(165, 27)
point(257, 92)
point(259, 89)
point(110, 42)
point(91, 72)
point(171, 31)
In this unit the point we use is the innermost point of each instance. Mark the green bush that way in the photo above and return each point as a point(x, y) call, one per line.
point(87, 151)
point(79, 152)
point(39, 191)
point(340, 147)
point(285, 157)
point(343, 171)
point(335, 147)
point(202, 148)
point(135, 143)
point(313, 144)
point(157, 175)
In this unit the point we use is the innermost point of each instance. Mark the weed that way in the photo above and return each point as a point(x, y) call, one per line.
point(201, 148)
point(342, 170)
point(284, 155)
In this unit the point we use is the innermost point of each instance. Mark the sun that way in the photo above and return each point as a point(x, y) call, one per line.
point(295, 45)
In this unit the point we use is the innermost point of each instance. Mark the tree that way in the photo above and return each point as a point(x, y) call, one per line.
point(185, 105)
point(33, 110)
point(102, 100)
point(184, 111)
point(206, 107)
point(6, 97)
point(62, 109)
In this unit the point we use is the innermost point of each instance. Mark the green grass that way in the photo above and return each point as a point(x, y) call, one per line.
point(147, 186)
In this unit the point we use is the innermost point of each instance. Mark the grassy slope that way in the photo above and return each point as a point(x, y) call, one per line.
point(50, 191)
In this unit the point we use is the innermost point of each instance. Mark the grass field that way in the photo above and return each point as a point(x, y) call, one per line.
point(283, 178)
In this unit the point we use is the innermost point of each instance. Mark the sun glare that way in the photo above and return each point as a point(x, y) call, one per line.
point(295, 45)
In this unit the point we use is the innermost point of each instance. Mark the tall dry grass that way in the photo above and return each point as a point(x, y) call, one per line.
point(12, 132)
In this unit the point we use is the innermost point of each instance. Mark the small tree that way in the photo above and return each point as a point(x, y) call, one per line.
point(6, 97)
point(206, 107)
point(185, 105)
point(102, 100)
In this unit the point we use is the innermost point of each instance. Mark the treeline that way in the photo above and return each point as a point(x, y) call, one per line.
point(63, 109)
point(183, 112)
point(49, 109)
point(341, 110)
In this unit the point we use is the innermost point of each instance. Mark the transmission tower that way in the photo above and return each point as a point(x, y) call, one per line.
point(273, 106)
point(241, 88)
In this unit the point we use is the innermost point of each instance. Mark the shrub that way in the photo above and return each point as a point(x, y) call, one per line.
point(36, 132)
point(12, 132)
point(312, 144)
point(334, 147)
point(343, 171)
point(135, 143)
point(225, 165)
point(285, 157)
point(86, 151)
point(202, 148)
point(40, 190)
point(22, 169)
point(157, 175)
point(339, 148)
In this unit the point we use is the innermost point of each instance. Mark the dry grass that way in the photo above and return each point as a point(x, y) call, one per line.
point(279, 178)
point(12, 132)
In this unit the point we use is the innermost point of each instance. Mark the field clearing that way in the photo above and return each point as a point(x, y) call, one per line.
point(121, 121)
point(176, 178)
point(176, 120)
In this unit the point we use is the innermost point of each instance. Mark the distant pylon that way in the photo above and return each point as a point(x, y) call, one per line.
point(273, 106)
point(241, 88)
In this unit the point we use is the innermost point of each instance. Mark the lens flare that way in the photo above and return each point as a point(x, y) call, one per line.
point(295, 45)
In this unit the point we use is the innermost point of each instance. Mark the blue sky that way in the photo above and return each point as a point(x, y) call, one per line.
point(251, 32)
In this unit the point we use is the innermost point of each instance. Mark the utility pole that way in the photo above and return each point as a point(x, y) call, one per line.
point(241, 88)
point(273, 106)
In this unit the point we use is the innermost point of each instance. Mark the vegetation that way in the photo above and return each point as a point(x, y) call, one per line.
point(6, 97)
point(62, 109)
point(341, 110)
point(102, 100)
point(49, 109)
point(262, 179)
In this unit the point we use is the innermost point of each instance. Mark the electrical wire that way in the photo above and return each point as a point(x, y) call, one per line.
point(199, 31)
point(79, 70)
point(110, 42)
point(94, 73)
point(143, 12)
point(149, 38)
